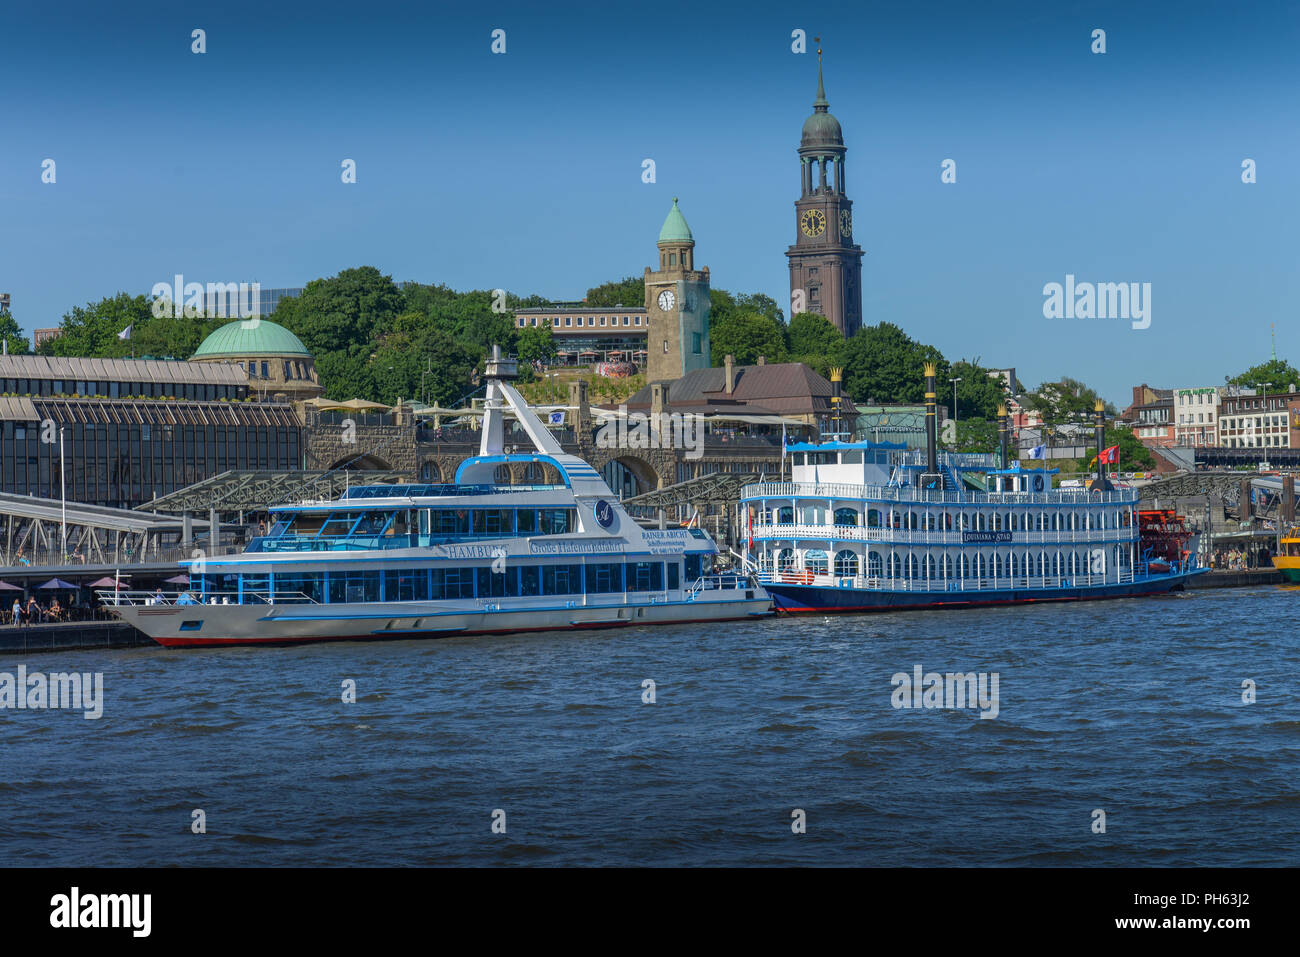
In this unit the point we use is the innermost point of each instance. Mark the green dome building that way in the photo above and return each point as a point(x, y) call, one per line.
point(275, 360)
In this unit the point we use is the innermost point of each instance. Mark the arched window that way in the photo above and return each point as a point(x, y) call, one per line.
point(785, 560)
point(846, 562)
point(997, 521)
point(947, 566)
point(875, 566)
point(815, 560)
point(895, 565)
point(930, 568)
point(873, 518)
point(913, 570)
point(846, 516)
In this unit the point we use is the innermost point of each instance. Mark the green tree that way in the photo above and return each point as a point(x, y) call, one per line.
point(813, 335)
point(1133, 455)
point(976, 435)
point(1067, 400)
point(761, 304)
point(336, 314)
point(883, 364)
point(978, 393)
point(623, 292)
point(93, 330)
point(12, 336)
point(536, 344)
point(1280, 375)
point(746, 335)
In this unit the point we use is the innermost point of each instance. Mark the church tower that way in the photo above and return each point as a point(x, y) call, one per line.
point(676, 305)
point(825, 265)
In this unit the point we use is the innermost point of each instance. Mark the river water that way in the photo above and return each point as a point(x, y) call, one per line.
point(1133, 708)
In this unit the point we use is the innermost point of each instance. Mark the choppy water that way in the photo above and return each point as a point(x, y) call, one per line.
point(1134, 707)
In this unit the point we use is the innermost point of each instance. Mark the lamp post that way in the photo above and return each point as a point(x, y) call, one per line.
point(954, 400)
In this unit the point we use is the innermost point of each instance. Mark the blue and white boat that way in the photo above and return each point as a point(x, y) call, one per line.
point(866, 526)
point(471, 557)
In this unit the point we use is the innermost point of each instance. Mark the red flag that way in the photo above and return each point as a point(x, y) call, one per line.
point(1109, 456)
point(749, 518)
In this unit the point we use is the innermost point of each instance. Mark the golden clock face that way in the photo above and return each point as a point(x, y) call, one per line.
point(813, 222)
point(846, 223)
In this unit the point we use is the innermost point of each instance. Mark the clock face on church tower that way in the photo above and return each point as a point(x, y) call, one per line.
point(666, 300)
point(813, 222)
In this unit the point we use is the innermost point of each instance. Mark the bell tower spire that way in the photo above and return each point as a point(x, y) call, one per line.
point(825, 264)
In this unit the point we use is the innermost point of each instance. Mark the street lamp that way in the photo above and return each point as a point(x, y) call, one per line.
point(954, 400)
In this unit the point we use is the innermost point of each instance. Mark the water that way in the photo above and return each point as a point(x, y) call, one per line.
point(1133, 707)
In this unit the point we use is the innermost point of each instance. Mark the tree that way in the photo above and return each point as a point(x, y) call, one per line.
point(882, 364)
point(745, 335)
point(1279, 374)
point(813, 335)
point(1068, 400)
point(978, 393)
point(93, 330)
point(1132, 453)
point(977, 435)
point(623, 292)
point(335, 314)
point(761, 304)
point(536, 344)
point(15, 342)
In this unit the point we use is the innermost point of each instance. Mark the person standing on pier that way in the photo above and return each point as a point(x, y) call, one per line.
point(18, 612)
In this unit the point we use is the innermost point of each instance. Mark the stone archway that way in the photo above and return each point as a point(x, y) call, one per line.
point(367, 462)
point(631, 473)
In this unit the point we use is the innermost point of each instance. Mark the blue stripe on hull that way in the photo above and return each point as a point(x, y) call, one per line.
point(799, 599)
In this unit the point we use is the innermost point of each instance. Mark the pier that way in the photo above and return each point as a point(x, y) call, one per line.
point(72, 636)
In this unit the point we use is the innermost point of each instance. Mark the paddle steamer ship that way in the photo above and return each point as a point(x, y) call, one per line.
point(866, 526)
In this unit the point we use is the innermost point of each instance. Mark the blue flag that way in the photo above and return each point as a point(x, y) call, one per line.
point(1038, 452)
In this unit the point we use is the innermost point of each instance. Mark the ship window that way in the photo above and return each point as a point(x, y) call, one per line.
point(846, 516)
point(815, 560)
point(604, 578)
point(558, 521)
point(851, 458)
point(873, 518)
point(674, 575)
point(452, 583)
point(492, 521)
point(895, 565)
point(562, 579)
point(646, 576)
point(912, 569)
point(407, 584)
point(785, 560)
point(785, 515)
point(292, 585)
point(527, 519)
point(875, 567)
point(692, 568)
point(846, 562)
point(353, 587)
point(929, 567)
point(498, 584)
point(530, 579)
point(947, 566)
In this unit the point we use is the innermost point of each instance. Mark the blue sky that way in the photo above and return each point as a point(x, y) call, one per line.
point(524, 170)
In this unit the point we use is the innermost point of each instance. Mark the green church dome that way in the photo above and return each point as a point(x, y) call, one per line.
point(821, 129)
point(251, 337)
point(675, 229)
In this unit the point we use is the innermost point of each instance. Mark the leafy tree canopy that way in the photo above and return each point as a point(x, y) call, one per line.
point(883, 364)
point(745, 335)
point(1281, 374)
point(12, 335)
point(621, 292)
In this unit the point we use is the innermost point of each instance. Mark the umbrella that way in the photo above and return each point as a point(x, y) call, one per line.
point(5, 586)
point(106, 582)
point(179, 580)
point(58, 583)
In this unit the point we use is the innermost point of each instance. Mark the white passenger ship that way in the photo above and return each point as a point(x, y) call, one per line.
point(868, 526)
point(472, 557)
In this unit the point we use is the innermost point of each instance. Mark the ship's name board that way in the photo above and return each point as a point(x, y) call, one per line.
point(985, 538)
point(573, 547)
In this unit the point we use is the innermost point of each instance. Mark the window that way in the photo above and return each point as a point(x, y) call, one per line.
point(695, 343)
point(846, 516)
point(846, 562)
point(646, 576)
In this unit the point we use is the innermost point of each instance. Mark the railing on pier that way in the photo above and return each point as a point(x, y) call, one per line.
point(111, 597)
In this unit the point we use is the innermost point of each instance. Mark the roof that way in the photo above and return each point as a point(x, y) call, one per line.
point(251, 337)
point(777, 388)
point(821, 129)
point(675, 229)
point(119, 370)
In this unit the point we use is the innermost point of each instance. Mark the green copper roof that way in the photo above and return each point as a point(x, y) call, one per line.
point(251, 337)
point(675, 229)
point(821, 129)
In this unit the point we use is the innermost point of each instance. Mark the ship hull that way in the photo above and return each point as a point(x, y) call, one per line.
point(1289, 566)
point(810, 599)
point(182, 626)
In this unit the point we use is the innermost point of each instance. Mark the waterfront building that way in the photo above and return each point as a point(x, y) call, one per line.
point(274, 360)
point(133, 429)
point(1259, 420)
point(1151, 416)
point(1196, 412)
point(586, 334)
point(825, 263)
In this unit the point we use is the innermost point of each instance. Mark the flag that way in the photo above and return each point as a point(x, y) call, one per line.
point(1110, 456)
point(1038, 452)
point(556, 418)
point(783, 441)
point(749, 519)
point(126, 333)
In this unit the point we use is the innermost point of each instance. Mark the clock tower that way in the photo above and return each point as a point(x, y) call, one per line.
point(676, 305)
point(825, 265)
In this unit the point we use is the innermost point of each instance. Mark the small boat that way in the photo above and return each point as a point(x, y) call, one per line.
point(1287, 559)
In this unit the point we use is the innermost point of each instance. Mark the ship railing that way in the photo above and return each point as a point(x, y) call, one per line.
point(726, 581)
point(111, 597)
point(864, 533)
point(900, 493)
point(935, 585)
